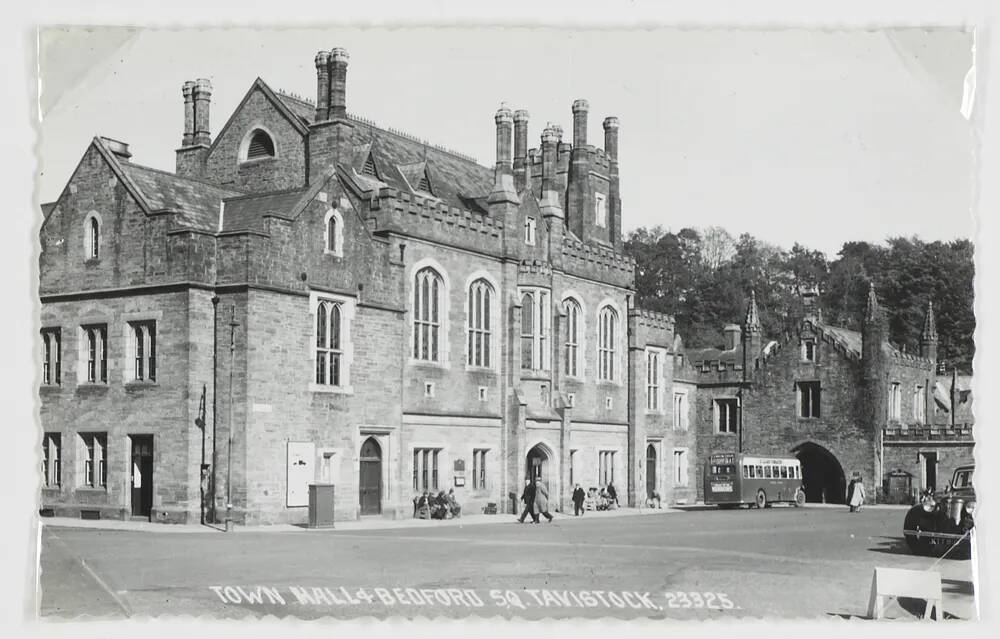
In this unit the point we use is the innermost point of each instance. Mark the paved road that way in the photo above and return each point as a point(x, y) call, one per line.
point(702, 564)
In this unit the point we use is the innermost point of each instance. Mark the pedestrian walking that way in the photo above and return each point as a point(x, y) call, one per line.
point(528, 497)
point(612, 494)
point(578, 497)
point(541, 501)
point(857, 498)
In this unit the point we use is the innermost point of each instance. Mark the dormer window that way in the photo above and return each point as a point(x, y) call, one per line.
point(424, 184)
point(369, 167)
point(261, 146)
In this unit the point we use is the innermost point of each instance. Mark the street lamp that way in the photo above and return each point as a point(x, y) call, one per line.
point(229, 463)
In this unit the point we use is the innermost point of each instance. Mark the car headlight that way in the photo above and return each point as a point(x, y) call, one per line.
point(970, 506)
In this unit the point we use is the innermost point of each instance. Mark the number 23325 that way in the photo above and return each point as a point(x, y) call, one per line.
point(716, 600)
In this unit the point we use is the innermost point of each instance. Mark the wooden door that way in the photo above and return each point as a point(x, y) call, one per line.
point(370, 481)
point(142, 475)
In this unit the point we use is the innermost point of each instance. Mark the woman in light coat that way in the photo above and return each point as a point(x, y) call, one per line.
point(857, 495)
point(541, 505)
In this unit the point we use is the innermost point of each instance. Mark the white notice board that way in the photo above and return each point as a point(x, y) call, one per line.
point(301, 472)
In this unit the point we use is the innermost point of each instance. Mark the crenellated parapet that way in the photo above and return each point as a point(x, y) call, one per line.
point(596, 261)
point(911, 360)
point(653, 320)
point(432, 219)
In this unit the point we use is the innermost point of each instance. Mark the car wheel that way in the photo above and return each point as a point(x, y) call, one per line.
point(761, 500)
point(800, 498)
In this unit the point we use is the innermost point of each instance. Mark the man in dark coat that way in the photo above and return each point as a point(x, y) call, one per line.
point(528, 497)
point(578, 497)
point(612, 493)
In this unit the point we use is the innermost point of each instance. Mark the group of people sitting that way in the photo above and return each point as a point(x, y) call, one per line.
point(440, 506)
point(604, 499)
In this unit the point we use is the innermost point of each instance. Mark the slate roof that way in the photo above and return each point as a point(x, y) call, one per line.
point(456, 180)
point(197, 202)
point(850, 339)
point(305, 111)
point(247, 212)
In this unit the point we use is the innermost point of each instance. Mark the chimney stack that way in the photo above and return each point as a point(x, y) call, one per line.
point(338, 83)
point(580, 108)
point(611, 137)
point(732, 333)
point(614, 185)
point(188, 91)
point(520, 149)
point(550, 142)
point(322, 86)
point(503, 182)
point(202, 101)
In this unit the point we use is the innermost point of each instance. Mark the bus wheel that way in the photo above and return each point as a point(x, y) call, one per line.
point(761, 500)
point(800, 498)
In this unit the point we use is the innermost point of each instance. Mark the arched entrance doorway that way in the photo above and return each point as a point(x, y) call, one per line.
point(537, 466)
point(650, 470)
point(822, 475)
point(370, 480)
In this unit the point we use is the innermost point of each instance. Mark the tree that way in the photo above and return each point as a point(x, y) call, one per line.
point(692, 276)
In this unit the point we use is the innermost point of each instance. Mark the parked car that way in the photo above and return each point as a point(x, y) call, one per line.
point(944, 519)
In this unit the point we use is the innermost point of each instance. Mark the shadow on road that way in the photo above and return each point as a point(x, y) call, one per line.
point(892, 546)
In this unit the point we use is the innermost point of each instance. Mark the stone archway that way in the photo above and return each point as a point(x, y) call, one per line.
point(822, 475)
point(538, 464)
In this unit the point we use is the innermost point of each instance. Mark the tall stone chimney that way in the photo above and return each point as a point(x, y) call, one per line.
point(202, 102)
point(614, 190)
point(322, 86)
point(580, 109)
point(197, 136)
point(579, 205)
point(520, 150)
point(550, 204)
point(188, 91)
point(503, 178)
point(338, 83)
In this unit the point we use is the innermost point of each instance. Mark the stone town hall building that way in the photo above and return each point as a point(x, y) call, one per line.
point(341, 303)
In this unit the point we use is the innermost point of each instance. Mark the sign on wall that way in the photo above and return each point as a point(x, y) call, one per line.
point(301, 472)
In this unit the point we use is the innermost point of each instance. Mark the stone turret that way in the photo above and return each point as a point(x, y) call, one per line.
point(753, 339)
point(929, 336)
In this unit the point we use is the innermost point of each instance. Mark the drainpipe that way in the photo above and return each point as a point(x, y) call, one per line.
point(215, 384)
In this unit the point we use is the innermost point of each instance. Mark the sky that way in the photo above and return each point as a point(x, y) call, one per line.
point(810, 136)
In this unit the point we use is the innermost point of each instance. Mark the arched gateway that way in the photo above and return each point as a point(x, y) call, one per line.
point(537, 464)
point(822, 475)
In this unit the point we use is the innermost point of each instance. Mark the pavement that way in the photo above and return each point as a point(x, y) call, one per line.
point(365, 523)
point(789, 563)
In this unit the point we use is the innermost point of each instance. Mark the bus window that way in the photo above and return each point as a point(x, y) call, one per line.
point(746, 471)
point(752, 474)
point(774, 472)
point(760, 472)
point(784, 472)
point(767, 472)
